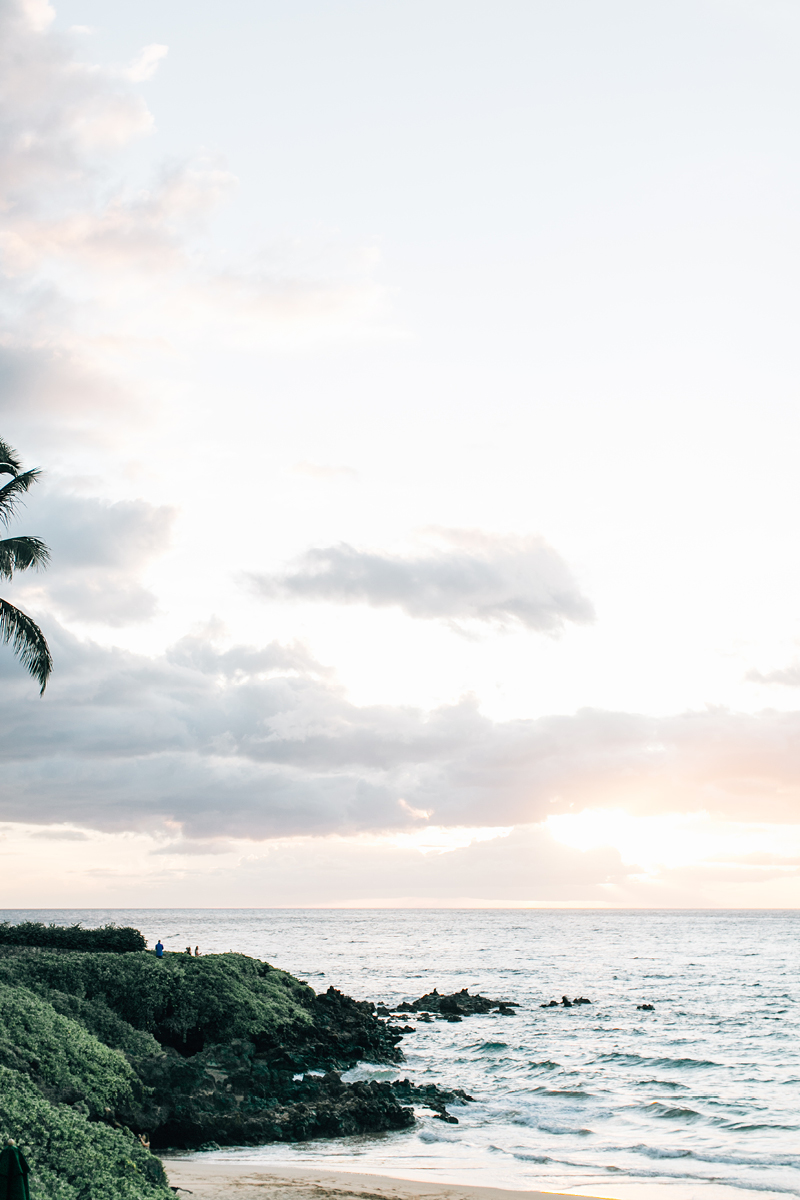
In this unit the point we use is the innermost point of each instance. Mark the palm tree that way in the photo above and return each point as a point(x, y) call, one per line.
point(18, 554)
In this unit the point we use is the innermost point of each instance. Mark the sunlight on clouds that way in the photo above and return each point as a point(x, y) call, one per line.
point(676, 840)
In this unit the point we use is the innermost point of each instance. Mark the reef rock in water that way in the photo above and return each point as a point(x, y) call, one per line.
point(458, 1004)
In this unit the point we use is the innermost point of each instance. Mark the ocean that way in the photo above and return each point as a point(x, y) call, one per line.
point(696, 1099)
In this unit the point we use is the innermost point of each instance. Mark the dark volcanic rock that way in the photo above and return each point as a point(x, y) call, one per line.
point(458, 1004)
point(428, 1095)
point(566, 1002)
point(231, 1095)
point(344, 1032)
point(254, 1090)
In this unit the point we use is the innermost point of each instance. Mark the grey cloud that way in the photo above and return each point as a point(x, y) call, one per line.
point(197, 652)
point(47, 394)
point(474, 577)
point(788, 676)
point(253, 743)
point(99, 550)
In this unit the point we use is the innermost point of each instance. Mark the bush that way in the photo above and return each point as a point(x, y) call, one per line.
point(65, 1062)
point(109, 938)
point(72, 1158)
point(184, 1002)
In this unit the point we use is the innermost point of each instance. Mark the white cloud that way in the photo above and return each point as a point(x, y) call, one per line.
point(788, 676)
point(102, 283)
point(145, 65)
point(473, 577)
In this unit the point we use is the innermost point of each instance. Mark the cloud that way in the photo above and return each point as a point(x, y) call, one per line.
point(61, 835)
point(788, 676)
point(99, 281)
point(261, 742)
point(478, 577)
point(145, 65)
point(527, 865)
point(99, 551)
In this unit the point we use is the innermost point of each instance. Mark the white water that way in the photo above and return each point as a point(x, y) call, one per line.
point(697, 1099)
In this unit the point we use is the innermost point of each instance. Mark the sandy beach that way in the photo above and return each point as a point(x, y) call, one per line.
point(217, 1181)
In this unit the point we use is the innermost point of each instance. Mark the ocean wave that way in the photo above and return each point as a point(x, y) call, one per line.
point(619, 1056)
point(727, 1160)
point(558, 1130)
point(671, 1112)
point(666, 1083)
point(563, 1093)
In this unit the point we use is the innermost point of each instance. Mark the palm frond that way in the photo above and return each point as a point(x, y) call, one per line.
point(10, 462)
point(12, 492)
point(27, 642)
point(20, 553)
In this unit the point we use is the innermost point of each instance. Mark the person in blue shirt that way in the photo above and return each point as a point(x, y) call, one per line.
point(159, 949)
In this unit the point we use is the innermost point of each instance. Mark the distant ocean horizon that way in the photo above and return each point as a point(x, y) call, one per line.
point(697, 1098)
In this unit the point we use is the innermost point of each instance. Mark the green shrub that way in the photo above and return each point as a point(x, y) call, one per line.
point(72, 1158)
point(103, 1023)
point(109, 938)
point(63, 1059)
point(185, 1002)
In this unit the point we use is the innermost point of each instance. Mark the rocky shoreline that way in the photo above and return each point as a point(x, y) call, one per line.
point(190, 1053)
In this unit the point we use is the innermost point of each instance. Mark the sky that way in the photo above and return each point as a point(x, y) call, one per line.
point(415, 387)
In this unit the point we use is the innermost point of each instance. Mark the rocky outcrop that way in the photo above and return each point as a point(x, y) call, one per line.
point(458, 1004)
point(342, 1033)
point(231, 1096)
point(429, 1095)
point(565, 1002)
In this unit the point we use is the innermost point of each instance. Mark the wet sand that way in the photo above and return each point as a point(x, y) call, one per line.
point(246, 1181)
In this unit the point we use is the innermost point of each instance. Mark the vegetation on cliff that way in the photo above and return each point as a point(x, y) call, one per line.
point(102, 1053)
point(119, 940)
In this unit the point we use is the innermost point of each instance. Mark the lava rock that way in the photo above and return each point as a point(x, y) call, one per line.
point(428, 1095)
point(646, 1007)
point(458, 1004)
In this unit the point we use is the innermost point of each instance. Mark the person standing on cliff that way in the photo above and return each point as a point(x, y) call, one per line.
point(159, 949)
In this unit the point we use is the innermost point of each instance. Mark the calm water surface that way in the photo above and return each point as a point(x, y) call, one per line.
point(696, 1099)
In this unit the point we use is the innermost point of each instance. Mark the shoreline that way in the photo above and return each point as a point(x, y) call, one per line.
point(249, 1181)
